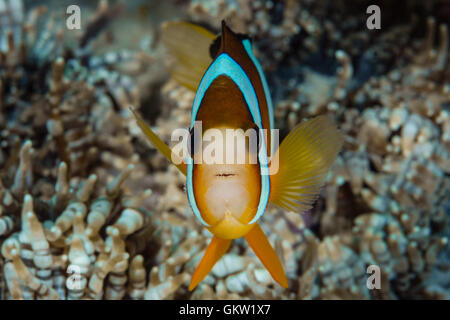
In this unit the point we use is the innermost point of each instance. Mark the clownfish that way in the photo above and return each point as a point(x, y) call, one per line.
point(232, 93)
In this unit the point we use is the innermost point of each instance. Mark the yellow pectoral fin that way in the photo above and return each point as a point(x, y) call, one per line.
point(303, 161)
point(216, 249)
point(188, 46)
point(159, 144)
point(264, 251)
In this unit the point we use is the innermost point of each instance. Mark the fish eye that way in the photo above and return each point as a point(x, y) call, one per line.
point(191, 142)
point(256, 129)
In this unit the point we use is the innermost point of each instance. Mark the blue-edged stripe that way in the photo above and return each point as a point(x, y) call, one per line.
point(248, 47)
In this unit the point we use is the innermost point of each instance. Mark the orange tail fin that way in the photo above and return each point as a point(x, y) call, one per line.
point(216, 249)
point(262, 248)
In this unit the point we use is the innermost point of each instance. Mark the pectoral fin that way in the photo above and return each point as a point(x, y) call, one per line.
point(216, 249)
point(159, 144)
point(188, 47)
point(264, 251)
point(303, 160)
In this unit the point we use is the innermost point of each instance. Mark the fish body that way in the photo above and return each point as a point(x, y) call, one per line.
point(229, 198)
point(232, 95)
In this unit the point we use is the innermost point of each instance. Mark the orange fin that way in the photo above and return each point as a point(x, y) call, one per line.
point(187, 45)
point(303, 160)
point(159, 144)
point(264, 251)
point(216, 249)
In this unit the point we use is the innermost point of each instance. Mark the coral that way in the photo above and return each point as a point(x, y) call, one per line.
point(63, 139)
point(64, 109)
point(88, 237)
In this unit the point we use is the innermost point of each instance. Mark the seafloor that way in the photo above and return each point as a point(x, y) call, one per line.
point(89, 210)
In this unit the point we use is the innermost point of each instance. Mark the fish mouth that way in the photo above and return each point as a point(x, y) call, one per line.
point(226, 174)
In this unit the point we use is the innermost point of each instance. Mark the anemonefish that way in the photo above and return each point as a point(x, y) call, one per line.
point(232, 93)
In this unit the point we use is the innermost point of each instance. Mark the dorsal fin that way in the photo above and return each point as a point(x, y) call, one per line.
point(228, 36)
point(216, 45)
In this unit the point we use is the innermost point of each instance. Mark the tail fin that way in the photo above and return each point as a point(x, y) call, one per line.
point(188, 46)
point(216, 249)
point(304, 159)
point(262, 248)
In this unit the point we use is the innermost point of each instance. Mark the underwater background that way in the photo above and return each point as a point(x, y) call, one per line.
point(90, 210)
